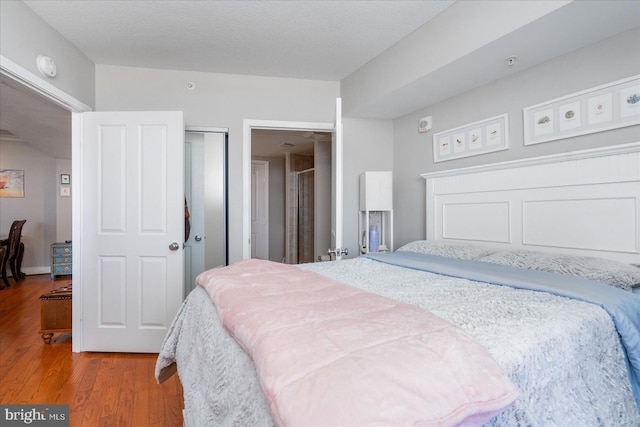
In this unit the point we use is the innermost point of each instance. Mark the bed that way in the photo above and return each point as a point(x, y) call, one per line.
point(570, 345)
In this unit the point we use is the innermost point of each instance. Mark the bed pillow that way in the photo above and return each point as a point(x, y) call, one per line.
point(459, 250)
point(613, 273)
point(636, 286)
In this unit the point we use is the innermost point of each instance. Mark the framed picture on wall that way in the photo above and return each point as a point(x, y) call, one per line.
point(11, 183)
point(610, 106)
point(65, 178)
point(481, 137)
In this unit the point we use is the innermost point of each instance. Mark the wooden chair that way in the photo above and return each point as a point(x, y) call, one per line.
point(3, 251)
point(13, 253)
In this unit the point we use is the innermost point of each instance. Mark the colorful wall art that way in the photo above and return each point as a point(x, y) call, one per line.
point(11, 183)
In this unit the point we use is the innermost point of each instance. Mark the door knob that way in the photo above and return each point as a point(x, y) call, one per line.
point(174, 246)
point(198, 238)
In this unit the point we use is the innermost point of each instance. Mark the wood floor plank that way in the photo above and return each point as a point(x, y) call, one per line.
point(141, 398)
point(125, 404)
point(101, 389)
point(81, 388)
point(13, 379)
point(156, 410)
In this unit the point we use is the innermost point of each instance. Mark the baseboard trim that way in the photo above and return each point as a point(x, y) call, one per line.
point(31, 271)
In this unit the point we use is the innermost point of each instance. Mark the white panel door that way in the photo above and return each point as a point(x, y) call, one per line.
point(336, 185)
point(132, 198)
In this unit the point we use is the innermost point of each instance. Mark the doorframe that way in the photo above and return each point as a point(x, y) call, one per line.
point(247, 126)
point(41, 87)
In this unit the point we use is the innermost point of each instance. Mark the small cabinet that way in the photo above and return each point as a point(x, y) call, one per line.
point(61, 259)
point(376, 209)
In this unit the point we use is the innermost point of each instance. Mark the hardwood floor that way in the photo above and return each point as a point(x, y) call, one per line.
point(101, 389)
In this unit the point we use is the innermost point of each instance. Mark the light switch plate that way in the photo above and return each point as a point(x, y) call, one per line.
point(425, 124)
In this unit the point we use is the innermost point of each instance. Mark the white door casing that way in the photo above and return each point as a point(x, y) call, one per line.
point(336, 186)
point(259, 209)
point(132, 204)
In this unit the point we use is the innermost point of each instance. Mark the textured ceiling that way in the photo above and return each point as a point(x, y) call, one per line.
point(320, 40)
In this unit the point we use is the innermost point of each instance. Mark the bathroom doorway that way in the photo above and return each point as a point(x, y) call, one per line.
point(299, 192)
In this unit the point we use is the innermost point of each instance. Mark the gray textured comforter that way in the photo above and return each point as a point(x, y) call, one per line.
point(564, 355)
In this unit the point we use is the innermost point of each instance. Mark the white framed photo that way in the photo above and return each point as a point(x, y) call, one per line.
point(476, 138)
point(570, 116)
point(610, 106)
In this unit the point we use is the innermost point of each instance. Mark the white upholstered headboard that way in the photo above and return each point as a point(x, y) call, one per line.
point(583, 203)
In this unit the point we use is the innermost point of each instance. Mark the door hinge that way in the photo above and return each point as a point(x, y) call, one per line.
point(338, 252)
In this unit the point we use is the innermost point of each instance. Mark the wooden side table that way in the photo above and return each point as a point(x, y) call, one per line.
point(55, 313)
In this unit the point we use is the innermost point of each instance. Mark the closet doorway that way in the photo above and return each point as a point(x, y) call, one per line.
point(206, 212)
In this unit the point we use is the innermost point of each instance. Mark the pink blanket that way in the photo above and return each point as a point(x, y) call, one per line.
point(329, 354)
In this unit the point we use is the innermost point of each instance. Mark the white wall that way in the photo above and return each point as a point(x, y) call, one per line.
point(224, 100)
point(38, 207)
point(604, 62)
point(368, 146)
point(24, 36)
point(63, 204)
point(459, 30)
point(219, 100)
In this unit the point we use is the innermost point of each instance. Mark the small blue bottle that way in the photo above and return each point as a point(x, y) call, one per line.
point(374, 238)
